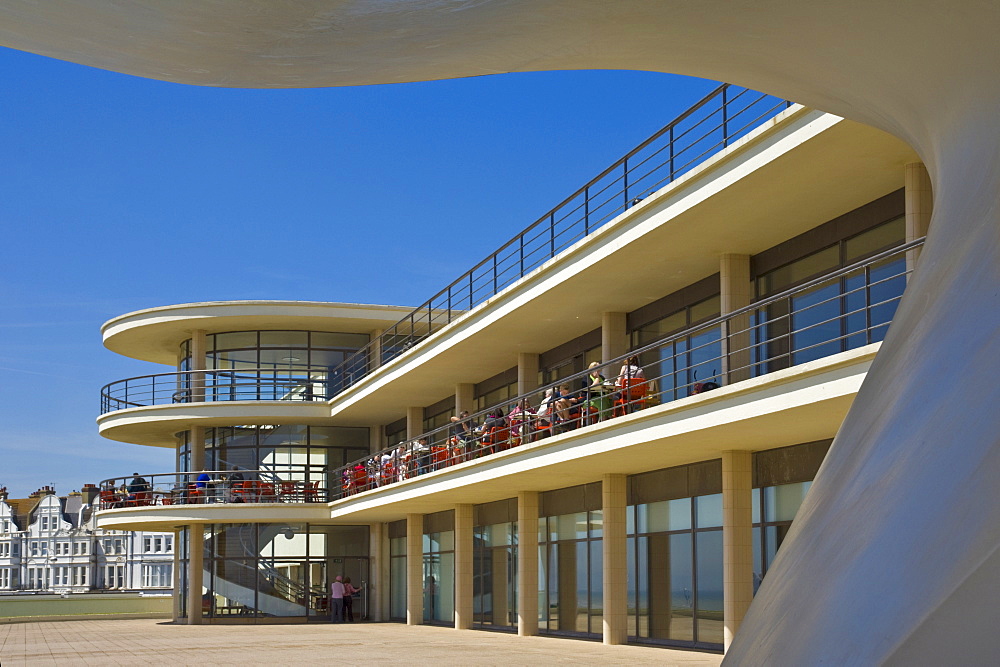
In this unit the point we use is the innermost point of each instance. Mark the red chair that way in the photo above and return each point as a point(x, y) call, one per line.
point(632, 396)
point(109, 499)
point(359, 477)
point(439, 456)
point(310, 492)
point(288, 491)
point(268, 493)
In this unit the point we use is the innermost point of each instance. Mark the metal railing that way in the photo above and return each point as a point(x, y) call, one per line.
point(245, 384)
point(714, 122)
point(289, 485)
point(844, 309)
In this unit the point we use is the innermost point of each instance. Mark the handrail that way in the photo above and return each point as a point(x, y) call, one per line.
point(748, 342)
point(582, 213)
point(291, 484)
point(306, 383)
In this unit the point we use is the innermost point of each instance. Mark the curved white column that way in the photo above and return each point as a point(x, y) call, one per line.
point(904, 517)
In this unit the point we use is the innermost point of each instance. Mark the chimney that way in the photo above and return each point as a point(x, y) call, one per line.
point(89, 493)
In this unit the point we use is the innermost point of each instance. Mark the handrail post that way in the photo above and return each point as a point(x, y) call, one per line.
point(725, 116)
point(552, 235)
point(586, 212)
point(521, 251)
point(625, 180)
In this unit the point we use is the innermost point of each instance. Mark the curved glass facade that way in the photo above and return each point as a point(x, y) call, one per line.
point(277, 570)
point(289, 452)
point(275, 349)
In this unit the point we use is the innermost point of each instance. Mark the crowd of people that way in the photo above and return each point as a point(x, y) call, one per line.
point(562, 409)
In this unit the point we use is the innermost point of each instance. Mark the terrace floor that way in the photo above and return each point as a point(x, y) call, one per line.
point(157, 642)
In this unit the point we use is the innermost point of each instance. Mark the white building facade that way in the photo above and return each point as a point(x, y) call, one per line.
point(51, 544)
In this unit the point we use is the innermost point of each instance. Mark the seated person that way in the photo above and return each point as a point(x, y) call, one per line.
point(138, 488)
point(521, 417)
point(567, 406)
point(630, 370)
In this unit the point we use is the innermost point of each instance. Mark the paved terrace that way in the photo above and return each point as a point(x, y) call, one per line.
point(154, 642)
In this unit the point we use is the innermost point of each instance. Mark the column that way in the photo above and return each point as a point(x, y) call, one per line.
point(197, 435)
point(463, 567)
point(613, 504)
point(464, 397)
point(375, 438)
point(196, 570)
point(919, 204)
point(176, 573)
point(614, 337)
point(376, 580)
point(737, 540)
point(735, 293)
point(197, 386)
point(414, 569)
point(527, 563)
point(375, 351)
point(414, 422)
point(527, 372)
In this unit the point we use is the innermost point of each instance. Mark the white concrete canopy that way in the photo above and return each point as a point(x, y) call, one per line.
point(904, 515)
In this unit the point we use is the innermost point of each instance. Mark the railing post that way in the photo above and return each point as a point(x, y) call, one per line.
point(471, 291)
point(495, 288)
point(552, 235)
point(586, 211)
point(521, 250)
point(868, 305)
point(725, 116)
point(671, 144)
point(625, 180)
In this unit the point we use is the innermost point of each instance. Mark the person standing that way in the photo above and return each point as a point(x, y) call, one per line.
point(349, 591)
point(337, 591)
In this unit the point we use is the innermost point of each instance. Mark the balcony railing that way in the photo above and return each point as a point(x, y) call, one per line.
point(288, 484)
point(245, 384)
point(714, 122)
point(842, 310)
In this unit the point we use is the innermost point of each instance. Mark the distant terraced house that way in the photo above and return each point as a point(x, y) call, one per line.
point(51, 544)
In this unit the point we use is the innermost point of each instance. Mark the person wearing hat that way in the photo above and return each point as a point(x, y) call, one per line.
point(337, 591)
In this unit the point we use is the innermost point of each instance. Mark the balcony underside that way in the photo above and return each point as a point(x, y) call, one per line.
point(784, 179)
point(801, 404)
point(170, 517)
point(157, 425)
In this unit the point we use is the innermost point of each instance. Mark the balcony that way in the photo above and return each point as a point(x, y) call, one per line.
point(780, 371)
point(150, 409)
point(276, 493)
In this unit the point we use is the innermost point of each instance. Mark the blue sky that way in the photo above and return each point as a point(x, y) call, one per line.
point(119, 193)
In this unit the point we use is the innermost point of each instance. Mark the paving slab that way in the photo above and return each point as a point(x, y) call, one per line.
point(155, 642)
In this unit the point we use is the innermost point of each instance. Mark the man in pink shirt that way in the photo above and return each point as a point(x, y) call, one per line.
point(337, 600)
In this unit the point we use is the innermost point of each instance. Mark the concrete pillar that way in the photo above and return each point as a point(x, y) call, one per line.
point(527, 372)
point(196, 570)
point(375, 439)
point(527, 563)
point(414, 569)
point(197, 434)
point(737, 540)
point(614, 544)
point(197, 386)
point(465, 397)
point(614, 337)
point(375, 352)
point(414, 422)
point(376, 582)
point(735, 292)
point(919, 204)
point(176, 575)
point(463, 567)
